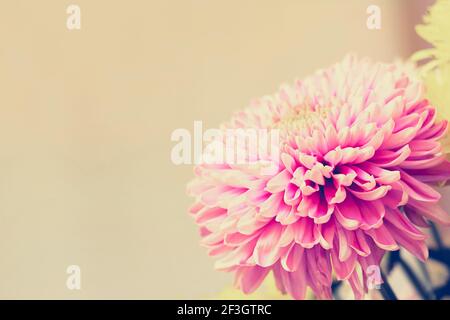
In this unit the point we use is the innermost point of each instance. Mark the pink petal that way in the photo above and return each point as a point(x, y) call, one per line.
point(326, 234)
point(348, 213)
point(383, 238)
point(207, 214)
point(308, 205)
point(249, 222)
point(344, 179)
point(195, 208)
point(277, 274)
point(431, 211)
point(238, 239)
point(315, 175)
point(211, 239)
point(364, 154)
point(357, 241)
point(382, 176)
point(279, 182)
point(356, 285)
point(404, 136)
point(319, 271)
point(292, 257)
point(297, 281)
point(220, 196)
point(371, 195)
point(440, 172)
point(387, 158)
point(363, 180)
point(415, 217)
point(333, 195)
point(322, 212)
point(238, 256)
point(286, 215)
point(287, 236)
point(343, 269)
point(269, 208)
point(402, 223)
point(307, 160)
point(420, 148)
point(343, 243)
point(334, 157)
point(267, 251)
point(288, 162)
point(372, 213)
point(292, 195)
point(306, 232)
point(396, 196)
point(219, 250)
point(425, 163)
point(248, 279)
point(436, 132)
point(416, 247)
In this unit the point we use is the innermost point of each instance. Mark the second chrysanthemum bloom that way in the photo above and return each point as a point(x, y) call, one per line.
point(359, 150)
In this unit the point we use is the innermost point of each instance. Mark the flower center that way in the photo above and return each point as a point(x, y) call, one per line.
point(304, 118)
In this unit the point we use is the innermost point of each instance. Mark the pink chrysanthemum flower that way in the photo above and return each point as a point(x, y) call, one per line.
point(359, 150)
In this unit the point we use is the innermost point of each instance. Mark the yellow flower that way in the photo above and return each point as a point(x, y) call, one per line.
point(436, 70)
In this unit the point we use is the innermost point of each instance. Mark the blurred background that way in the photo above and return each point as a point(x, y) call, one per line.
point(86, 117)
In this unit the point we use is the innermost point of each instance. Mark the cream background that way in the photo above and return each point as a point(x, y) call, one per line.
point(86, 117)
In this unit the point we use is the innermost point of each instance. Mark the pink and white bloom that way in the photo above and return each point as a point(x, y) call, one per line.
point(359, 152)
